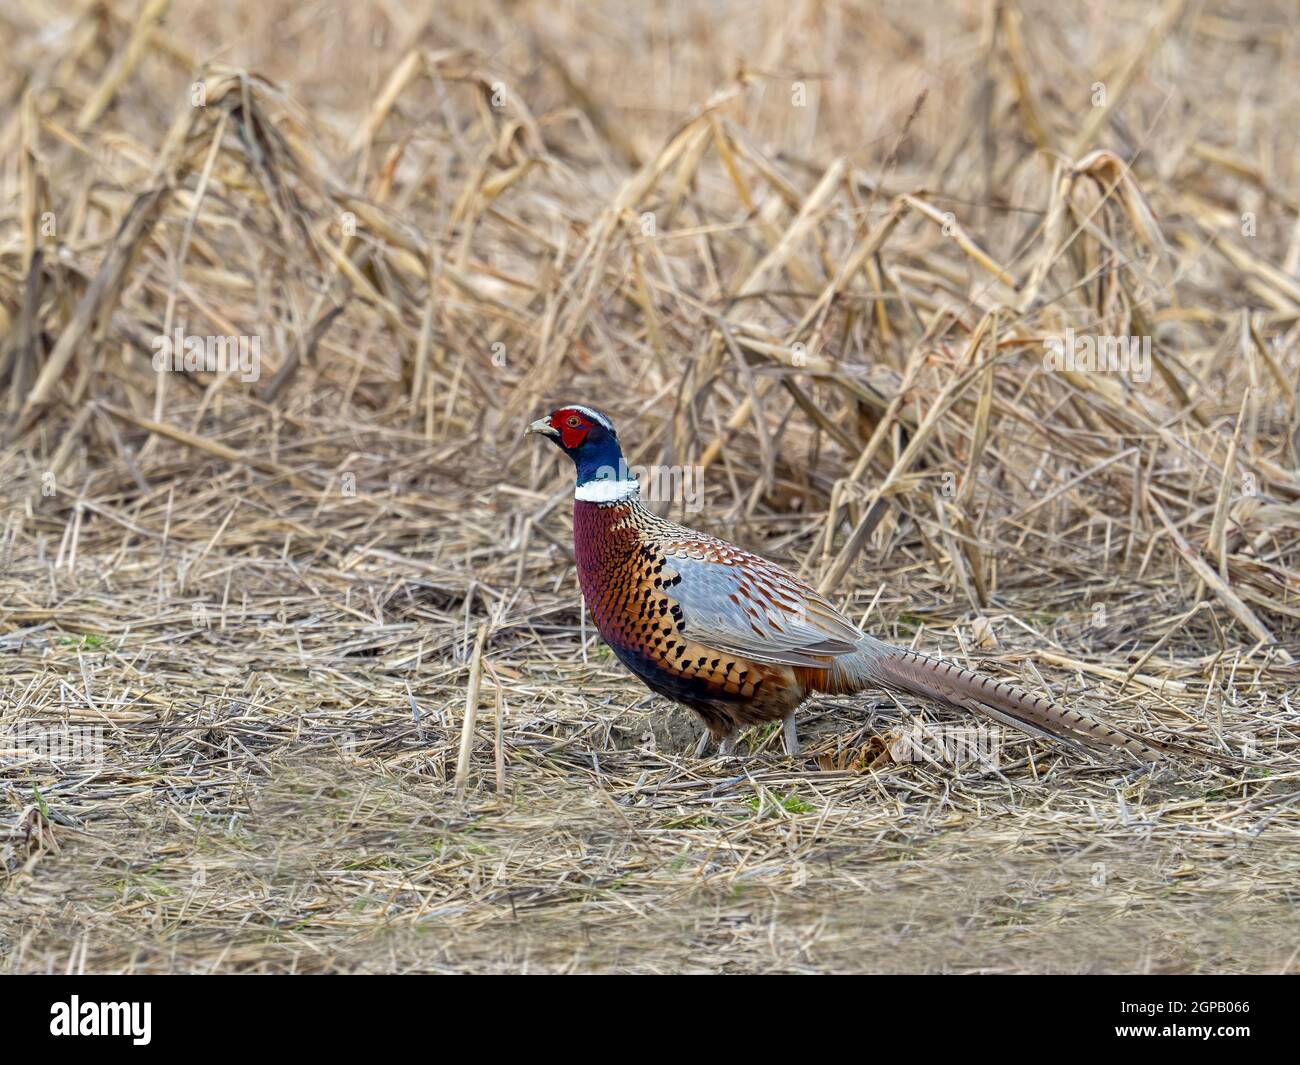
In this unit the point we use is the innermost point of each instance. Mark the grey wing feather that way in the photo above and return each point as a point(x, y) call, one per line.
point(751, 607)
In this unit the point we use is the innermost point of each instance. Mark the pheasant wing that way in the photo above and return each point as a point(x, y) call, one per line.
point(743, 604)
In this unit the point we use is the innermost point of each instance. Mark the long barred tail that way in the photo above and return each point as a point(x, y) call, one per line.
point(881, 664)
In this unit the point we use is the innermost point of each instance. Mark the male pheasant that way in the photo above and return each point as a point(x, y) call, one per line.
point(740, 640)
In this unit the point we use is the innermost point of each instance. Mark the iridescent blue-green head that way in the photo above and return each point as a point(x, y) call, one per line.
point(589, 439)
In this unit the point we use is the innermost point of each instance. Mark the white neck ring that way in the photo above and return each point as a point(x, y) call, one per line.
point(606, 491)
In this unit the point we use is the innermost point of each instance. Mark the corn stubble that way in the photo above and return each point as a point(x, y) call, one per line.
point(815, 252)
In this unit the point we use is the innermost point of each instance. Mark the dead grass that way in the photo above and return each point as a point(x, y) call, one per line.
point(268, 593)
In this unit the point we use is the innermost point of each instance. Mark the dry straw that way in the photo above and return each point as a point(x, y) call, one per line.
point(354, 715)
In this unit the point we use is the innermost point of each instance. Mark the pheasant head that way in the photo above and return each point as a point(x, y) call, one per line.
point(590, 440)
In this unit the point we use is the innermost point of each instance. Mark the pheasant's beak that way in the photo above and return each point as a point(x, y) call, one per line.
point(543, 427)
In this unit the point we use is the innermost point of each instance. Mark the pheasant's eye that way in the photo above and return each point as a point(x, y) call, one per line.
point(574, 421)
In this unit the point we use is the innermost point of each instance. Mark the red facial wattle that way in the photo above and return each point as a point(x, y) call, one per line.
point(572, 435)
